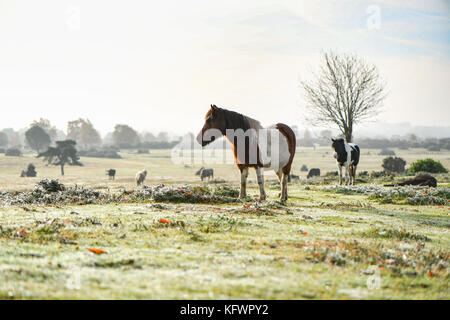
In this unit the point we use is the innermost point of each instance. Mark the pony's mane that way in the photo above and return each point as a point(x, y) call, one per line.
point(208, 114)
point(237, 120)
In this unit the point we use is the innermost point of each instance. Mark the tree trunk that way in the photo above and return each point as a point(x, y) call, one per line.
point(348, 135)
point(62, 169)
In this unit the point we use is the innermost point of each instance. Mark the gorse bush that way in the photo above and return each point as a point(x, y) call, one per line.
point(427, 165)
point(402, 194)
point(394, 165)
point(52, 192)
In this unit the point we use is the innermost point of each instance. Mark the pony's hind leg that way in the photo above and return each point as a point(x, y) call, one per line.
point(284, 195)
point(282, 177)
point(260, 176)
point(244, 175)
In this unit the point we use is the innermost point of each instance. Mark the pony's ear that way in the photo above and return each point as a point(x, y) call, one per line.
point(333, 140)
point(214, 107)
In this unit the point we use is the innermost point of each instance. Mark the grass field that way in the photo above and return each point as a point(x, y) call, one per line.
point(321, 244)
point(163, 170)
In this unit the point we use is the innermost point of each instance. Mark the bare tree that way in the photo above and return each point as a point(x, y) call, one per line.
point(64, 153)
point(346, 91)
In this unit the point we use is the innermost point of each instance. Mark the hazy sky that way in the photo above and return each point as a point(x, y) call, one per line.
point(158, 65)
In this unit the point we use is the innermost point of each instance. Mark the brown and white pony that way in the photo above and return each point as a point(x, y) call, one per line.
point(253, 146)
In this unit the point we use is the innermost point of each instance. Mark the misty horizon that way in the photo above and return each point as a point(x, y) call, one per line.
point(375, 130)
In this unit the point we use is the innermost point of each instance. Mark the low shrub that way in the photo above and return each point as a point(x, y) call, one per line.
point(427, 165)
point(30, 172)
point(378, 174)
point(394, 165)
point(13, 152)
point(51, 192)
point(331, 174)
point(401, 194)
point(193, 194)
point(386, 152)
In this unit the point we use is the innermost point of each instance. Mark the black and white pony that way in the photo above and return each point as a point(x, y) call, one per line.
point(346, 155)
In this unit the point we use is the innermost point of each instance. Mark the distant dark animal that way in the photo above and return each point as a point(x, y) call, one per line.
point(111, 173)
point(420, 180)
point(31, 171)
point(346, 155)
point(205, 173)
point(140, 177)
point(293, 177)
point(250, 148)
point(314, 172)
point(304, 168)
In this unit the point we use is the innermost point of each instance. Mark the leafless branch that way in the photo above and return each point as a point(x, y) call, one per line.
point(347, 91)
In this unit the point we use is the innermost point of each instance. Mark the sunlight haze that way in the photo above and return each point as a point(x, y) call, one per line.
point(159, 65)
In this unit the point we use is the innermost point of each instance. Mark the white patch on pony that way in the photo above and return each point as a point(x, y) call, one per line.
point(273, 148)
point(348, 149)
point(254, 124)
point(352, 147)
point(273, 145)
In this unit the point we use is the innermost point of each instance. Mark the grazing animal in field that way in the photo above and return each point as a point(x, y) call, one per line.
point(140, 177)
point(420, 180)
point(253, 146)
point(292, 177)
point(205, 173)
point(111, 173)
point(346, 155)
point(314, 172)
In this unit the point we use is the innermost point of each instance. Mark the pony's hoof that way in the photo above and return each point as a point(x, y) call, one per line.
point(262, 198)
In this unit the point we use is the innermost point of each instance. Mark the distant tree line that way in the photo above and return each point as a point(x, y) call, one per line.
point(411, 141)
point(40, 135)
point(429, 144)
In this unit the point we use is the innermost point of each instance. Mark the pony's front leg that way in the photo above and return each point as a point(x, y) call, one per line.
point(347, 175)
point(260, 176)
point(244, 175)
point(340, 174)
